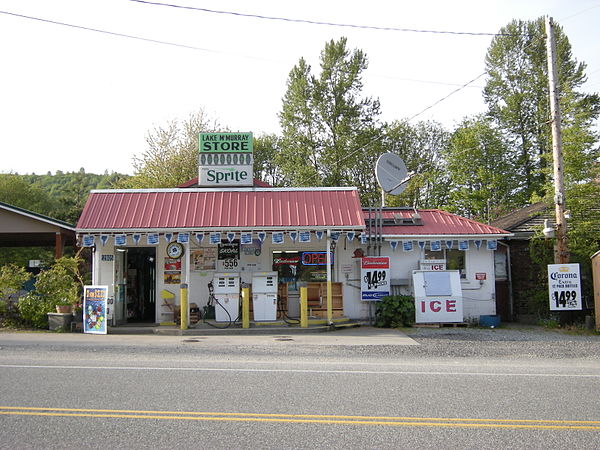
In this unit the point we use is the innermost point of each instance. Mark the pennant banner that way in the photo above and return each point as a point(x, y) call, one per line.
point(183, 238)
point(230, 237)
point(262, 236)
point(449, 244)
point(305, 236)
point(421, 245)
point(335, 236)
point(104, 239)
point(492, 245)
point(394, 245)
point(152, 238)
point(350, 236)
point(88, 240)
point(277, 237)
point(246, 238)
point(215, 237)
point(319, 235)
point(120, 239)
point(435, 246)
point(168, 237)
point(364, 239)
point(478, 243)
point(407, 246)
point(463, 245)
point(136, 238)
point(199, 237)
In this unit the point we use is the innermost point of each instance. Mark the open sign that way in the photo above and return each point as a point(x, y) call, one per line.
point(315, 258)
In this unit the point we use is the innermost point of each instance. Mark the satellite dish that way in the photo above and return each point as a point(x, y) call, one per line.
point(391, 173)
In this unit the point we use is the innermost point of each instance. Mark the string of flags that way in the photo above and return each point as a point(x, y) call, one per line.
point(279, 237)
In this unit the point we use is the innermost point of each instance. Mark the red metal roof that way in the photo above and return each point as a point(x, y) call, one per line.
point(434, 222)
point(198, 209)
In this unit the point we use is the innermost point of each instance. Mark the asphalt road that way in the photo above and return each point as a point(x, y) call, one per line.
point(364, 388)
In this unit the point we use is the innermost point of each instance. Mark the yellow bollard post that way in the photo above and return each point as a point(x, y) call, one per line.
point(304, 307)
point(184, 306)
point(245, 307)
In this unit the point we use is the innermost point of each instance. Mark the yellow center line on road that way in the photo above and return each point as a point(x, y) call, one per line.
point(306, 418)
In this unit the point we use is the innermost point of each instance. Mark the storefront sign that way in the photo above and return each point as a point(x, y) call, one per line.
point(95, 300)
point(315, 258)
point(433, 264)
point(564, 284)
point(226, 143)
point(226, 176)
point(375, 278)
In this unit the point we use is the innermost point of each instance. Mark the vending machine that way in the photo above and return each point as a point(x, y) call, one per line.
point(227, 295)
point(264, 295)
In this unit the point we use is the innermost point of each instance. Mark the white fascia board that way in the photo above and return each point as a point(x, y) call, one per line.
point(247, 189)
point(445, 236)
point(208, 230)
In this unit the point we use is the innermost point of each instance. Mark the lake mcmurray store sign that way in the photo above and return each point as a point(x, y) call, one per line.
point(225, 159)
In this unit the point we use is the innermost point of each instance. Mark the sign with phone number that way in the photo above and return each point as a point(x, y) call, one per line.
point(564, 285)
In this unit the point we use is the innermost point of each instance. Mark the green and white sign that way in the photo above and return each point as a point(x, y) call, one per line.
point(225, 159)
point(226, 143)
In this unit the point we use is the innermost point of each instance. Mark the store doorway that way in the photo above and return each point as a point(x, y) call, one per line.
point(140, 303)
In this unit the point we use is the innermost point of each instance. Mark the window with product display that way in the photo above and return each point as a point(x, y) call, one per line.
point(294, 267)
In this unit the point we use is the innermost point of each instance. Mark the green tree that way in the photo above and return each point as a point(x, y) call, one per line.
point(517, 97)
point(172, 154)
point(422, 147)
point(480, 167)
point(327, 127)
point(266, 148)
point(16, 191)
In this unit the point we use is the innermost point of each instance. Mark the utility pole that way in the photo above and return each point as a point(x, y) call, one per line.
point(561, 255)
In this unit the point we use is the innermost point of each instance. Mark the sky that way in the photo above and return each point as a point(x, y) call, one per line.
point(73, 98)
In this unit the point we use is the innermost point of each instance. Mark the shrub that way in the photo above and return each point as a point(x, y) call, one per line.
point(395, 311)
point(12, 279)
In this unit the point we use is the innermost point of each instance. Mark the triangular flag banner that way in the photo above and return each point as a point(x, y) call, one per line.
point(421, 244)
point(277, 237)
point(183, 238)
point(199, 237)
point(394, 245)
point(449, 244)
point(293, 236)
point(335, 236)
point(136, 238)
point(168, 237)
point(364, 239)
point(230, 237)
point(350, 236)
point(319, 235)
point(246, 238)
point(407, 246)
point(463, 245)
point(120, 239)
point(152, 238)
point(305, 236)
point(88, 240)
point(215, 237)
point(435, 246)
point(104, 239)
point(492, 245)
point(262, 236)
point(478, 243)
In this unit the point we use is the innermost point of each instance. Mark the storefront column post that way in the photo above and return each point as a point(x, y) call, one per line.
point(245, 307)
point(329, 305)
point(303, 307)
point(183, 317)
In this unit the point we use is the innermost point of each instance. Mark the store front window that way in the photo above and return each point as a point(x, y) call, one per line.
point(455, 259)
point(298, 268)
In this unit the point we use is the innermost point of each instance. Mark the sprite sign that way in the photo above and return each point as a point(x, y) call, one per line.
point(225, 159)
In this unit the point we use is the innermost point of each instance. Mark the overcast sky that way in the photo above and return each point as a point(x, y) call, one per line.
point(72, 98)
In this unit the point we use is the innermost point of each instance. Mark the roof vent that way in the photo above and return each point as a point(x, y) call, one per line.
point(416, 219)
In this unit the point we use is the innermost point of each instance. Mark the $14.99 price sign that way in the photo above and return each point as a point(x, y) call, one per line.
point(564, 284)
point(374, 278)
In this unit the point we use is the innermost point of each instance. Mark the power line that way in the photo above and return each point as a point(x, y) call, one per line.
point(316, 22)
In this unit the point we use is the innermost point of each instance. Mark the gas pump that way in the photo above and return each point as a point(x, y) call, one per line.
point(264, 295)
point(227, 296)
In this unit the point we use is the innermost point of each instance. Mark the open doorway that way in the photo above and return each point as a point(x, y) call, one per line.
point(141, 284)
